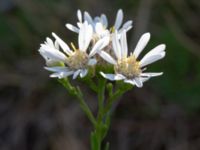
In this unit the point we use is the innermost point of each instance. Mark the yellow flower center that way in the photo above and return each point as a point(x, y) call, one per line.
point(77, 60)
point(128, 67)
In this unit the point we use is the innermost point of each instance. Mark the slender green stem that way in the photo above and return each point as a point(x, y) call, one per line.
point(76, 92)
point(101, 97)
point(111, 100)
point(100, 123)
point(113, 97)
point(104, 114)
point(85, 107)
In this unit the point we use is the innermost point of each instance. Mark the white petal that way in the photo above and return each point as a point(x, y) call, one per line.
point(113, 77)
point(124, 48)
point(79, 15)
point(55, 75)
point(127, 25)
point(57, 45)
point(72, 28)
point(97, 19)
point(157, 50)
point(92, 62)
point(116, 46)
point(120, 77)
point(85, 36)
point(141, 44)
point(151, 74)
point(57, 69)
point(119, 19)
point(104, 20)
point(129, 81)
point(76, 73)
point(99, 46)
point(151, 58)
point(83, 73)
point(66, 74)
point(51, 53)
point(107, 57)
point(104, 33)
point(45, 57)
point(99, 28)
point(144, 79)
point(81, 40)
point(62, 44)
point(138, 82)
point(127, 29)
point(88, 37)
point(49, 42)
point(88, 18)
point(50, 62)
point(79, 24)
point(61, 75)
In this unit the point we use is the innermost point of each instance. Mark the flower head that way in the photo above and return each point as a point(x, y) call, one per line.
point(77, 61)
point(128, 67)
point(50, 52)
point(100, 24)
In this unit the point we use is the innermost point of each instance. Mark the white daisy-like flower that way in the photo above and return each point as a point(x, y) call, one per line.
point(100, 24)
point(49, 44)
point(77, 61)
point(128, 67)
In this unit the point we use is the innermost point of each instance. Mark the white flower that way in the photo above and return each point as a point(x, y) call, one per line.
point(128, 68)
point(77, 61)
point(100, 24)
point(50, 52)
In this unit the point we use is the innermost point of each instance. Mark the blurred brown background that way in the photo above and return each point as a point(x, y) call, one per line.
point(37, 114)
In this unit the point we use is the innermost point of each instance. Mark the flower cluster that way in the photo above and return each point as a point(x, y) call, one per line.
point(96, 43)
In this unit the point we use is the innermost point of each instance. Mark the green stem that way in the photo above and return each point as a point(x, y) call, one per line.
point(114, 97)
point(101, 97)
point(100, 124)
point(85, 107)
point(76, 92)
point(104, 114)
